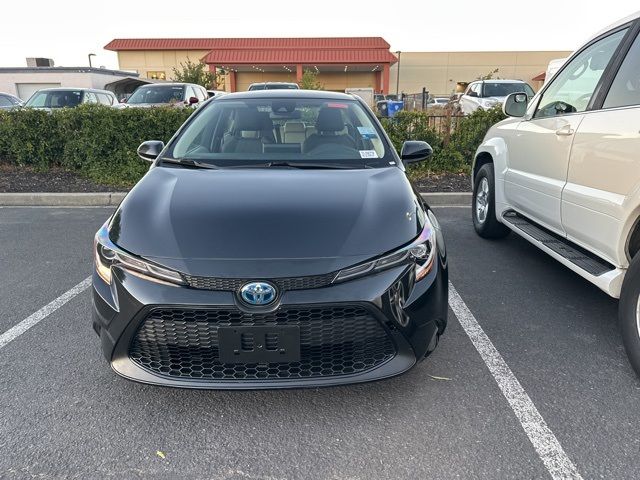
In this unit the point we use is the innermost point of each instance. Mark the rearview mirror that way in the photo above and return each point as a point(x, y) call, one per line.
point(150, 150)
point(415, 151)
point(193, 100)
point(515, 105)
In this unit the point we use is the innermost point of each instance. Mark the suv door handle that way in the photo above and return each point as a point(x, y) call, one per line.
point(565, 131)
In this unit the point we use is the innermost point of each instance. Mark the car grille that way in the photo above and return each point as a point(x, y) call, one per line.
point(283, 284)
point(338, 340)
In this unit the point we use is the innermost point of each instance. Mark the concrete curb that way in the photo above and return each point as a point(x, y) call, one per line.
point(448, 199)
point(114, 198)
point(61, 199)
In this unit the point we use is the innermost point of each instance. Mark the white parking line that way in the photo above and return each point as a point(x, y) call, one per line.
point(544, 441)
point(33, 319)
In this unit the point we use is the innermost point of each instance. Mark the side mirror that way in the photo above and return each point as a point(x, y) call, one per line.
point(472, 94)
point(150, 150)
point(193, 100)
point(415, 151)
point(515, 105)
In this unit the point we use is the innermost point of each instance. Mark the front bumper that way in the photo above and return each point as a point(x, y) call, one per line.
point(166, 335)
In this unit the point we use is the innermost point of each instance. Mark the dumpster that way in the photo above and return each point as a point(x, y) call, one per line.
point(394, 107)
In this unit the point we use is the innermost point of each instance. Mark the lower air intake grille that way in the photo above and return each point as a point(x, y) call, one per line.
point(333, 341)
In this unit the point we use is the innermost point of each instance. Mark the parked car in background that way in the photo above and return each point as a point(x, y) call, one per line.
point(167, 94)
point(564, 171)
point(485, 94)
point(62, 97)
point(273, 86)
point(245, 259)
point(215, 93)
point(9, 102)
point(365, 94)
point(552, 68)
point(378, 97)
point(437, 101)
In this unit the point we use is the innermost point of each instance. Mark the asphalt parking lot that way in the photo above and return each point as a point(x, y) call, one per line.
point(64, 414)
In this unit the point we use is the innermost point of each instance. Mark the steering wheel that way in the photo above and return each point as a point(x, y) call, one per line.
point(581, 70)
point(583, 98)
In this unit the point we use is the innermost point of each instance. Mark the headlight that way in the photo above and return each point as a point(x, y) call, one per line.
point(108, 255)
point(419, 253)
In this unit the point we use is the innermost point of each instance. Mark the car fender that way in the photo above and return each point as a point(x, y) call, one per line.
point(495, 145)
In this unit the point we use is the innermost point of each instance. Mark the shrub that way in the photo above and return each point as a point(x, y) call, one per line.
point(30, 137)
point(100, 142)
point(454, 144)
point(96, 141)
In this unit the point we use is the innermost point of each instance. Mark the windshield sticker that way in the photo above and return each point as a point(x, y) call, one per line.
point(367, 132)
point(337, 105)
point(368, 154)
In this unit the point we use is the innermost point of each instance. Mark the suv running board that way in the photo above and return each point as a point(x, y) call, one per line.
point(577, 255)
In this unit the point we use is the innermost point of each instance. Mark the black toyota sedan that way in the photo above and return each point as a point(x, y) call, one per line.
point(275, 242)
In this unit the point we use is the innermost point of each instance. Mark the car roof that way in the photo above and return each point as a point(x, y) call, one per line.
point(84, 89)
point(320, 94)
point(274, 83)
point(500, 80)
point(167, 84)
point(622, 21)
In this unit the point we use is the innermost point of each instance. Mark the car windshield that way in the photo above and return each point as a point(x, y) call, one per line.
point(55, 99)
point(503, 89)
point(158, 94)
point(264, 130)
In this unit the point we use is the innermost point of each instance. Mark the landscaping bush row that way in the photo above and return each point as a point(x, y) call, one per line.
point(96, 141)
point(100, 142)
point(454, 139)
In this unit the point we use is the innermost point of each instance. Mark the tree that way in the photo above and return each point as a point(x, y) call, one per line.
point(489, 76)
point(198, 73)
point(310, 81)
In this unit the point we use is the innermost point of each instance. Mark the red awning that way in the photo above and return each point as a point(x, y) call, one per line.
point(305, 43)
point(540, 77)
point(307, 57)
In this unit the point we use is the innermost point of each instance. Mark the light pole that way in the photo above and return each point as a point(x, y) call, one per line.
point(398, 75)
point(89, 56)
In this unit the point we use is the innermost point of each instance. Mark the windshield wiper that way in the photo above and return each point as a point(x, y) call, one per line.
point(304, 165)
point(188, 162)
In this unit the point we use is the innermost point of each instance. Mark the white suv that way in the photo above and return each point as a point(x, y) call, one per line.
point(564, 171)
point(485, 94)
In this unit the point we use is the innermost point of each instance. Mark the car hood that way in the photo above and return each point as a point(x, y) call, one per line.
point(271, 222)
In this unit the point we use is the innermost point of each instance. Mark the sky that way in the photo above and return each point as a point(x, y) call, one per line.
point(68, 30)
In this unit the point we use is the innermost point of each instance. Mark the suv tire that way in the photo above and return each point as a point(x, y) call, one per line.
point(629, 313)
point(483, 208)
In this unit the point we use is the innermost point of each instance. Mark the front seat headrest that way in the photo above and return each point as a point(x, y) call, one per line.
point(329, 120)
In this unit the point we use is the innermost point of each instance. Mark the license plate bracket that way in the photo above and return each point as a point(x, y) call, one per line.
point(259, 344)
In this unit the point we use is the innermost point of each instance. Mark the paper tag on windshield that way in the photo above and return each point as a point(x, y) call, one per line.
point(367, 132)
point(368, 154)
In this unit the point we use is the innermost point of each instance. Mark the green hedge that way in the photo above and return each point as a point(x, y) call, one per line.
point(454, 141)
point(96, 141)
point(100, 142)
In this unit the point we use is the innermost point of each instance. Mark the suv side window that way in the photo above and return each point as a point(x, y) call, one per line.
point(104, 99)
point(189, 93)
point(90, 97)
point(573, 87)
point(625, 89)
point(201, 93)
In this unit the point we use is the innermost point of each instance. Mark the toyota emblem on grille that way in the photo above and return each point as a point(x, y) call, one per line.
point(258, 293)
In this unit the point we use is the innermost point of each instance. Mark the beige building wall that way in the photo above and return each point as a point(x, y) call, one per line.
point(146, 61)
point(440, 72)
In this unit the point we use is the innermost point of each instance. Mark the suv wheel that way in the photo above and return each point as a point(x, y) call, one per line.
point(629, 313)
point(483, 205)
